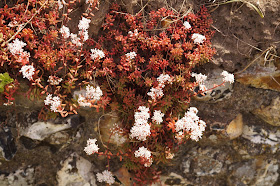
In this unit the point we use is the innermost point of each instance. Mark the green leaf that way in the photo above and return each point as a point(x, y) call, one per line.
point(5, 79)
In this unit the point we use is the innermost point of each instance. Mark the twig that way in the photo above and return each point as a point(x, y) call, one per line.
point(22, 27)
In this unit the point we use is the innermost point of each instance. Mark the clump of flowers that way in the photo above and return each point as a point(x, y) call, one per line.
point(92, 95)
point(91, 147)
point(145, 156)
point(227, 77)
point(157, 92)
point(27, 71)
point(105, 176)
point(144, 70)
point(54, 102)
point(141, 128)
point(198, 38)
point(191, 124)
point(97, 54)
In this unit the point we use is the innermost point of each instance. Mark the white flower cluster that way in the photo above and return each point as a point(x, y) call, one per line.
point(131, 55)
point(135, 33)
point(55, 102)
point(27, 71)
point(191, 124)
point(75, 40)
point(158, 115)
point(65, 32)
point(91, 147)
point(16, 47)
point(227, 77)
point(117, 135)
point(141, 128)
point(97, 54)
point(144, 153)
point(53, 80)
point(60, 5)
point(105, 176)
point(156, 93)
point(198, 38)
point(13, 23)
point(83, 26)
point(92, 94)
point(162, 79)
point(187, 25)
point(200, 78)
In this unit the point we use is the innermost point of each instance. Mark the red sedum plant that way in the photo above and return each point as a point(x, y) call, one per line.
point(138, 66)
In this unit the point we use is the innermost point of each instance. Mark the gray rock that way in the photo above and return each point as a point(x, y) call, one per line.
point(7, 143)
point(21, 177)
point(199, 160)
point(259, 172)
point(261, 136)
point(76, 171)
point(172, 179)
point(269, 174)
point(271, 113)
point(41, 130)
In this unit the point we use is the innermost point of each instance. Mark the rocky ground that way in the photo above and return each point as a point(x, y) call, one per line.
point(242, 140)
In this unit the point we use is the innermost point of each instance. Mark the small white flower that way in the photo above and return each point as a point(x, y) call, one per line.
point(83, 102)
point(8, 103)
point(140, 132)
point(162, 79)
point(227, 77)
point(84, 24)
point(169, 155)
point(193, 110)
point(16, 46)
point(135, 33)
point(48, 100)
point(198, 38)
point(27, 71)
point(155, 93)
point(141, 128)
point(187, 25)
point(84, 33)
point(158, 115)
point(13, 23)
point(56, 102)
point(91, 147)
point(118, 139)
point(131, 55)
point(93, 93)
point(65, 32)
point(90, 1)
point(97, 54)
point(200, 78)
point(60, 5)
point(53, 80)
point(191, 124)
point(75, 40)
point(105, 176)
point(144, 153)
